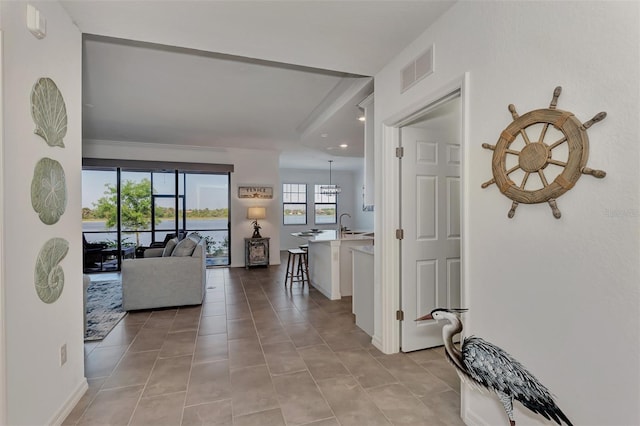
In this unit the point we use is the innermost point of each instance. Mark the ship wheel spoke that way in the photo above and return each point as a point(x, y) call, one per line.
point(543, 133)
point(487, 183)
point(513, 169)
point(524, 180)
point(515, 115)
point(556, 95)
point(556, 162)
point(512, 151)
point(543, 178)
point(525, 136)
point(557, 143)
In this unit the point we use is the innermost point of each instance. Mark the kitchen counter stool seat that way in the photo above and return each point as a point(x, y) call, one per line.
point(297, 268)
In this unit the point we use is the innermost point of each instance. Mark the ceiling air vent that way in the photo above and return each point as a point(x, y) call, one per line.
point(418, 69)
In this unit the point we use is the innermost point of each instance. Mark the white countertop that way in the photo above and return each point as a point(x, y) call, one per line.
point(332, 235)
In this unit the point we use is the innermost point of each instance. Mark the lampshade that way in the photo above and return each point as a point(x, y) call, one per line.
point(256, 213)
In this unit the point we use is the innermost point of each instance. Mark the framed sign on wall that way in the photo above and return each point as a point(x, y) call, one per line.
point(264, 192)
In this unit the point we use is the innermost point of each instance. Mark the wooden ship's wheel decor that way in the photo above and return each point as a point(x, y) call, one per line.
point(561, 149)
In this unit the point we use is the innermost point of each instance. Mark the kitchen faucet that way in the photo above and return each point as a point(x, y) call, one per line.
point(343, 228)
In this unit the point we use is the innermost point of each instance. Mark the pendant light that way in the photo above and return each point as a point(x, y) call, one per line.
point(330, 189)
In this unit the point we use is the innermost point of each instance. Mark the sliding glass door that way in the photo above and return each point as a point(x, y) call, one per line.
point(207, 212)
point(99, 219)
point(127, 210)
point(168, 204)
point(135, 208)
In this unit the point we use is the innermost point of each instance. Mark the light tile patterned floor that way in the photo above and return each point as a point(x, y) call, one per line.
point(257, 354)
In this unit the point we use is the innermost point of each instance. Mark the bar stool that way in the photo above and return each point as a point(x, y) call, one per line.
point(299, 272)
point(304, 247)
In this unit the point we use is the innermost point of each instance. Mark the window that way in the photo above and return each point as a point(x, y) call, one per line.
point(99, 215)
point(325, 208)
point(131, 208)
point(207, 212)
point(135, 206)
point(294, 203)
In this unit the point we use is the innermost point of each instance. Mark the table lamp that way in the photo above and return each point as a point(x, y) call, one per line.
point(255, 213)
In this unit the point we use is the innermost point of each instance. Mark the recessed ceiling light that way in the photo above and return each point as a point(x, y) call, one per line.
point(344, 145)
point(361, 118)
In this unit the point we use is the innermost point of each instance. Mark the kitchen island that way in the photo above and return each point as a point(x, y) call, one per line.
point(330, 263)
point(364, 296)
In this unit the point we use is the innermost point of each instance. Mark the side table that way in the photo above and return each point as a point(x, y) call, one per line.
point(256, 252)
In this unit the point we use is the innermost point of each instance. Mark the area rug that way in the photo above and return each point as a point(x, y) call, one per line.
point(104, 308)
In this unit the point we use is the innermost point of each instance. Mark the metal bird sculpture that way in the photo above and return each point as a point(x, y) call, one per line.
point(485, 365)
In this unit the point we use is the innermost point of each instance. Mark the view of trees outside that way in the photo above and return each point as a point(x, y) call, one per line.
point(206, 207)
point(135, 202)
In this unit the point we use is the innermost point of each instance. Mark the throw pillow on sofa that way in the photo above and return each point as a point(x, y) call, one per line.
point(169, 247)
point(186, 246)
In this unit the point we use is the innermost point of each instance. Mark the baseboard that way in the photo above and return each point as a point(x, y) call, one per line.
point(472, 419)
point(321, 290)
point(469, 417)
point(375, 341)
point(68, 406)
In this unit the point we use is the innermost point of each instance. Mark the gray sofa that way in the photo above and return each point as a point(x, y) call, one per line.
point(157, 281)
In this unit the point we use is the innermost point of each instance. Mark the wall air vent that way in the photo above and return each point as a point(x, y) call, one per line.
point(417, 69)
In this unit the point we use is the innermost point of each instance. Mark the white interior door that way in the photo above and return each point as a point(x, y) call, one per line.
point(430, 218)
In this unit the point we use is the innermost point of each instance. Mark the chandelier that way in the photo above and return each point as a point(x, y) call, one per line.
point(330, 189)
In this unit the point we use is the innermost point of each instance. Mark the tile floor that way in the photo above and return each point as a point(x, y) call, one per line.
point(257, 354)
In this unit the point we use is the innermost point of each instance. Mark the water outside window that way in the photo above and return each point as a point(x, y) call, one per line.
point(207, 212)
point(294, 203)
point(325, 207)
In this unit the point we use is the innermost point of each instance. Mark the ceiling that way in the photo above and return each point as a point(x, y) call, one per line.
point(276, 75)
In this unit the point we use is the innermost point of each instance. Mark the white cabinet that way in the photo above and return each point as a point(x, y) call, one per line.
point(363, 291)
point(324, 267)
point(330, 262)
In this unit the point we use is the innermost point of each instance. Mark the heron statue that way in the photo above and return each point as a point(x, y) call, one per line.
point(485, 365)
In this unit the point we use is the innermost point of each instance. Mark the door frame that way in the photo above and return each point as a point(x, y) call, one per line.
point(3, 347)
point(389, 247)
point(413, 335)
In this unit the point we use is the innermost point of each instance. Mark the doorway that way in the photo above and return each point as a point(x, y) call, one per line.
point(430, 189)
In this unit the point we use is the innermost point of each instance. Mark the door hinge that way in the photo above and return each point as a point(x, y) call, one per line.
point(399, 234)
point(400, 152)
point(400, 315)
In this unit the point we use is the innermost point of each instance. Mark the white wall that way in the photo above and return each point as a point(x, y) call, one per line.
point(251, 167)
point(39, 390)
point(560, 295)
point(362, 220)
point(349, 201)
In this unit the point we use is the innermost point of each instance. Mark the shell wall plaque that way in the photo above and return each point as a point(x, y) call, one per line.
point(49, 190)
point(548, 145)
point(49, 112)
point(49, 276)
